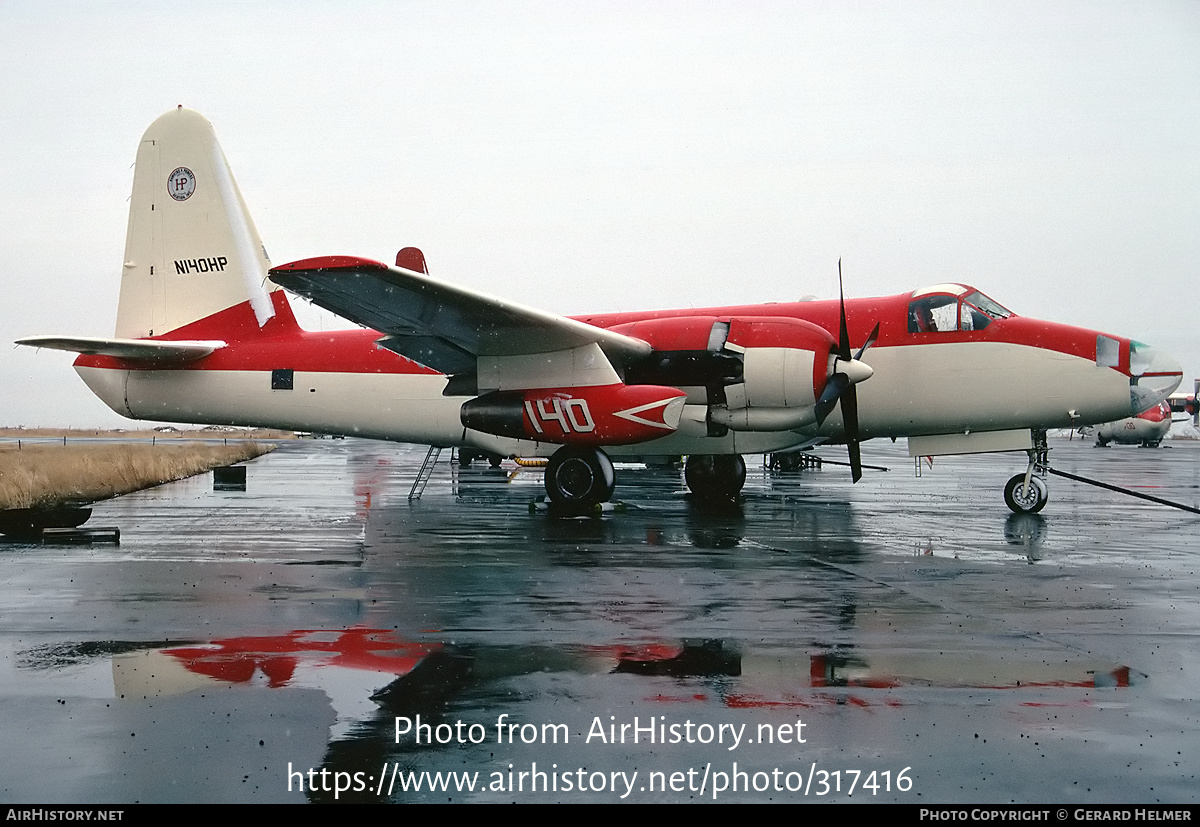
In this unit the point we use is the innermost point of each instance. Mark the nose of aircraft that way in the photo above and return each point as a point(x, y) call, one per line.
point(1155, 375)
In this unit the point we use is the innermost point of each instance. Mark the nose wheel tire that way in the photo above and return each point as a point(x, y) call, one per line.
point(714, 477)
point(1023, 499)
point(580, 477)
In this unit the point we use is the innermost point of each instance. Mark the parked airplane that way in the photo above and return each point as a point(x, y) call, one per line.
point(1185, 403)
point(203, 336)
point(1147, 428)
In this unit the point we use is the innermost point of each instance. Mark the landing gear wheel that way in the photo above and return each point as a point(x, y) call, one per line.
point(580, 477)
point(714, 477)
point(790, 461)
point(1024, 499)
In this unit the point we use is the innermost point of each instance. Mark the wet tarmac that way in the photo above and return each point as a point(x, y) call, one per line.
point(319, 636)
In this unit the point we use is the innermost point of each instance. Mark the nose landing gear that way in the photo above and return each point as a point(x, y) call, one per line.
point(1027, 493)
point(1026, 497)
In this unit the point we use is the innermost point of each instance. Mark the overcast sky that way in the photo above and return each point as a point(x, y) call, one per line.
point(615, 156)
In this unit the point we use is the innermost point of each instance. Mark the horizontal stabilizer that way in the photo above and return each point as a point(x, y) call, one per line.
point(440, 325)
point(147, 350)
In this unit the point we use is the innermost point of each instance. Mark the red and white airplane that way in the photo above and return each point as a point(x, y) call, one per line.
point(205, 334)
point(1147, 428)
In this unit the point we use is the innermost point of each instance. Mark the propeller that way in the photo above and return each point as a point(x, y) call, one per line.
point(847, 372)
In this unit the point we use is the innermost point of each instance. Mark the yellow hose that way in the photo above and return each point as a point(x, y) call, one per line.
point(530, 463)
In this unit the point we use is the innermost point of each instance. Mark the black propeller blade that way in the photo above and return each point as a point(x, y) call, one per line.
point(835, 386)
point(870, 341)
point(843, 335)
point(850, 423)
point(840, 386)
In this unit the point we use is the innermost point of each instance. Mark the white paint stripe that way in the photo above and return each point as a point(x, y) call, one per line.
point(631, 414)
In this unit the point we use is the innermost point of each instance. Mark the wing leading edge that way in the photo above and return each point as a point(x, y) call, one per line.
point(440, 325)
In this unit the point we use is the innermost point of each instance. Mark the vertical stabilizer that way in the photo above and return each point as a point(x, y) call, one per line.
point(192, 249)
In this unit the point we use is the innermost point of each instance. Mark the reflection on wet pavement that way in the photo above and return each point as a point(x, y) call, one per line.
point(321, 621)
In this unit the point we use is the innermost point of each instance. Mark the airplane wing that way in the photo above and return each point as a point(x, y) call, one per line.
point(150, 350)
point(437, 324)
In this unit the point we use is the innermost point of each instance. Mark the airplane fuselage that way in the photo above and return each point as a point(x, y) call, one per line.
point(1014, 373)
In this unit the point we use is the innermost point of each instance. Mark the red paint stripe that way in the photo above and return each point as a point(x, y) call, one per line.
point(281, 343)
point(333, 263)
point(1159, 413)
point(892, 314)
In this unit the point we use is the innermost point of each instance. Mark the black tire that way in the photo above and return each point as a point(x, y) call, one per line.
point(714, 477)
point(580, 477)
point(1022, 501)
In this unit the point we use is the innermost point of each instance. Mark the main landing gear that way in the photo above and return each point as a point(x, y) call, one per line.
point(468, 455)
point(715, 476)
point(1027, 493)
point(579, 477)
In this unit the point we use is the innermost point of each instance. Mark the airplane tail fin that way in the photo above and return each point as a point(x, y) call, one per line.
point(191, 250)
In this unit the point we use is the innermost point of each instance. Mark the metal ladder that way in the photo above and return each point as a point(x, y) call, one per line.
point(424, 473)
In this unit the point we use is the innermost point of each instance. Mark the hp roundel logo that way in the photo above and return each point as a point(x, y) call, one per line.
point(181, 184)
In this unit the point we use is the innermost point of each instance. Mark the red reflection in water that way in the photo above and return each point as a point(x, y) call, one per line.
point(235, 660)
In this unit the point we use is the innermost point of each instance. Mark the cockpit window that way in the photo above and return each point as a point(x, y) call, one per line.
point(972, 319)
point(988, 306)
point(942, 314)
point(932, 314)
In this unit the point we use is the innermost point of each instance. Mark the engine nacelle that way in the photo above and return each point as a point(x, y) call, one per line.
point(786, 362)
point(596, 415)
point(756, 373)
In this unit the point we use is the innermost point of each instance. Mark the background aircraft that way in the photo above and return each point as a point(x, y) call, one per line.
point(1146, 429)
point(1185, 403)
point(202, 335)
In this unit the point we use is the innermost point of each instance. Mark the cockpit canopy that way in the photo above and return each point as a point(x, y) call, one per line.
point(946, 307)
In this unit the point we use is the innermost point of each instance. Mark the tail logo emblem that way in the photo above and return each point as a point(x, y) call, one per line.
point(181, 184)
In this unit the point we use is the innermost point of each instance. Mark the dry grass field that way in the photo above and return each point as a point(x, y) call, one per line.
point(151, 434)
point(46, 474)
